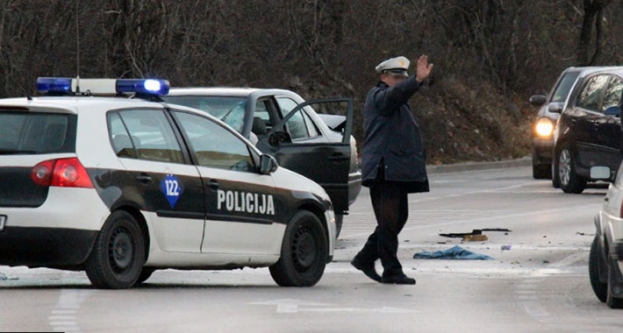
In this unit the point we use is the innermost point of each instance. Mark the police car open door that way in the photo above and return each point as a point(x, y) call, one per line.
point(321, 153)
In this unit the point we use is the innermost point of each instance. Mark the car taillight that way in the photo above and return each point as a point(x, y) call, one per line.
point(64, 172)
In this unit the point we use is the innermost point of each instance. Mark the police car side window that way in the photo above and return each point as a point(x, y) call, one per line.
point(119, 137)
point(213, 145)
point(150, 134)
point(591, 93)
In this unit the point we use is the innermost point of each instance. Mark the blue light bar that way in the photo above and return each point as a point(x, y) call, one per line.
point(54, 85)
point(156, 87)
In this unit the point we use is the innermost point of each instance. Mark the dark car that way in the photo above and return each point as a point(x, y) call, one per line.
point(279, 122)
point(547, 116)
point(588, 132)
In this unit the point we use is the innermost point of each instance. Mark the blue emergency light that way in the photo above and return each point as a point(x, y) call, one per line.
point(143, 86)
point(69, 86)
point(54, 85)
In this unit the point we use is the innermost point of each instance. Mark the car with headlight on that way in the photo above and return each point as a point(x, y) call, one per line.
point(605, 260)
point(588, 131)
point(121, 187)
point(312, 138)
point(545, 121)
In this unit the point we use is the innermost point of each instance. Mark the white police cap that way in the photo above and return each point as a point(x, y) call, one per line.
point(394, 66)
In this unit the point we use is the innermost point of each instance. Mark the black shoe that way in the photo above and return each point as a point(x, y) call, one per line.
point(368, 270)
point(398, 279)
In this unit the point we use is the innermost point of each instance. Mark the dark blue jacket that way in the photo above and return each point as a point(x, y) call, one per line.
point(393, 136)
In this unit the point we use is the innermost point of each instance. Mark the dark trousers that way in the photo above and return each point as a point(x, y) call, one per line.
point(391, 208)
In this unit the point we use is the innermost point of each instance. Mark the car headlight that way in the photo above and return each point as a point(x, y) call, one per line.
point(544, 127)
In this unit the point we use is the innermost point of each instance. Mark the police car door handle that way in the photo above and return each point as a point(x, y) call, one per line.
point(143, 178)
point(213, 184)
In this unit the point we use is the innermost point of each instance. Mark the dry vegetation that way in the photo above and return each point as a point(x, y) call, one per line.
point(489, 55)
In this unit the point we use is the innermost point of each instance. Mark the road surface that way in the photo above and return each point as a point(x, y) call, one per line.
point(536, 282)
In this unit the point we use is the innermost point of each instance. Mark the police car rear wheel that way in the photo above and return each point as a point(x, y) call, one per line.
point(118, 255)
point(303, 252)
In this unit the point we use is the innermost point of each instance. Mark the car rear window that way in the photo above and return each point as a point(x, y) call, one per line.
point(36, 133)
point(564, 86)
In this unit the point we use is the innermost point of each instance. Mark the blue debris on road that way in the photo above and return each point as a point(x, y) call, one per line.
point(456, 252)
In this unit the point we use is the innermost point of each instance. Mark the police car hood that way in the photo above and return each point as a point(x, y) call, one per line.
point(295, 182)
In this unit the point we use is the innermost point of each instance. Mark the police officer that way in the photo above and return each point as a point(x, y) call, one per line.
point(393, 164)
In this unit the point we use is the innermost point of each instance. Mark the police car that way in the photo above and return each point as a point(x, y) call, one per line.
point(120, 187)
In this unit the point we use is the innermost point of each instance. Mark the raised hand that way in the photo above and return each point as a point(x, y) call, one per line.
point(423, 68)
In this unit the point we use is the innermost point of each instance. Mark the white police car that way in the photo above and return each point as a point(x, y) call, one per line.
point(121, 187)
point(605, 261)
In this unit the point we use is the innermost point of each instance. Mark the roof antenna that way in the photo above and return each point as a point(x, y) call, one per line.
point(77, 51)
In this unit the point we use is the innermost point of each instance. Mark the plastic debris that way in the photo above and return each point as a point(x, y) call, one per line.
point(506, 247)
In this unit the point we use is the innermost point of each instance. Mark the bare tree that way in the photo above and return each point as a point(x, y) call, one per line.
point(593, 16)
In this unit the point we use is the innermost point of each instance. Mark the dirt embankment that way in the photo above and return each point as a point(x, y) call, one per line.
point(471, 121)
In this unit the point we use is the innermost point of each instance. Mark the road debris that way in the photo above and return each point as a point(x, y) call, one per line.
point(475, 238)
point(474, 232)
point(506, 247)
point(455, 252)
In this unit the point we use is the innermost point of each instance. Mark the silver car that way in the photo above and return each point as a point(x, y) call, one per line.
point(317, 145)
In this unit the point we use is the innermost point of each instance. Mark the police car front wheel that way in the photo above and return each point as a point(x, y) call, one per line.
point(118, 254)
point(304, 252)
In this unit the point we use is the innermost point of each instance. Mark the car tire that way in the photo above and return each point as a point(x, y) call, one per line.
point(569, 180)
point(339, 220)
point(555, 181)
point(146, 273)
point(304, 252)
point(117, 258)
point(541, 171)
point(599, 288)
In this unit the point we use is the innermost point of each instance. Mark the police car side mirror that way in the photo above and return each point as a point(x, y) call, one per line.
point(268, 164)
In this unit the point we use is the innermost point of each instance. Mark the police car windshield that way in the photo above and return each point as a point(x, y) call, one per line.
point(222, 107)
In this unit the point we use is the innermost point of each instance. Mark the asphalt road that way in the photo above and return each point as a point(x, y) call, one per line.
point(539, 283)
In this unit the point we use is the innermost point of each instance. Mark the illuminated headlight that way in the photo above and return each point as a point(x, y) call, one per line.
point(544, 127)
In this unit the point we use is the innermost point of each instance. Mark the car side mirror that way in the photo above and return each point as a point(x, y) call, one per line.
point(600, 173)
point(538, 100)
point(614, 110)
point(268, 164)
point(555, 107)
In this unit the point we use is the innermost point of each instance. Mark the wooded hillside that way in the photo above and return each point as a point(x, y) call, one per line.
point(489, 55)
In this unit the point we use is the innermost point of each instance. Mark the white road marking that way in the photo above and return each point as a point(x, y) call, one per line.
point(295, 306)
point(63, 318)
